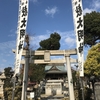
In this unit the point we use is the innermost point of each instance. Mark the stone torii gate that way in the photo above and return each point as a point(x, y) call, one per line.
point(47, 53)
point(21, 31)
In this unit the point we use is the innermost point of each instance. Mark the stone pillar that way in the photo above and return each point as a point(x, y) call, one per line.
point(2, 77)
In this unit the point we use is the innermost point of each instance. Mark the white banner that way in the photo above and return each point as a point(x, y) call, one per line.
point(79, 30)
point(21, 32)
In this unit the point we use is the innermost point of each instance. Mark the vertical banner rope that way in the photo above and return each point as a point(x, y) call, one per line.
point(21, 32)
point(79, 31)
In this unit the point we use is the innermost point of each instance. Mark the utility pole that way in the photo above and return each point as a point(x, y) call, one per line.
point(82, 87)
point(13, 92)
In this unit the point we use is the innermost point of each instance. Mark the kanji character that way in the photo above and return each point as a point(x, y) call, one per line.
point(80, 23)
point(80, 34)
point(78, 10)
point(24, 11)
point(20, 46)
point(81, 47)
point(23, 22)
point(22, 33)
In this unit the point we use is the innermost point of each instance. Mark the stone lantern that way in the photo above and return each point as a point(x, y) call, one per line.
point(2, 78)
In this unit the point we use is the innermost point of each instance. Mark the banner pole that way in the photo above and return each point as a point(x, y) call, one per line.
point(25, 76)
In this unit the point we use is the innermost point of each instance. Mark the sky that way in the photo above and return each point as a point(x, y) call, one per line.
point(44, 17)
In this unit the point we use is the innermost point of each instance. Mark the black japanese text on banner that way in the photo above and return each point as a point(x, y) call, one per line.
point(79, 30)
point(21, 31)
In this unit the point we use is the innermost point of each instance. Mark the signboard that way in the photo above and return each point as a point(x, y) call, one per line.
point(32, 95)
point(21, 31)
point(46, 56)
point(79, 31)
